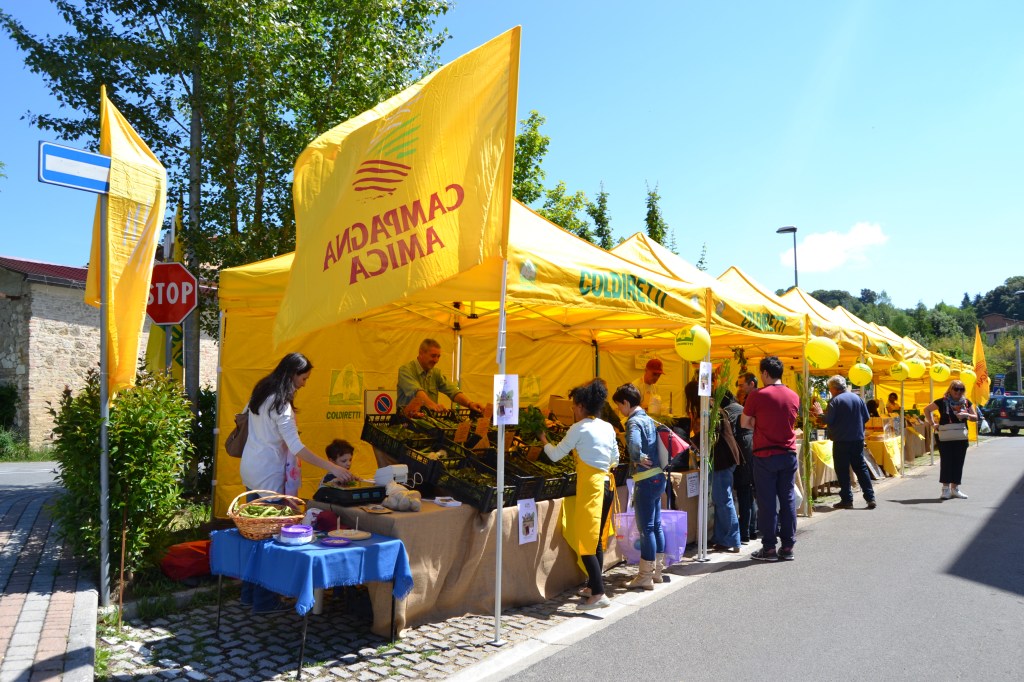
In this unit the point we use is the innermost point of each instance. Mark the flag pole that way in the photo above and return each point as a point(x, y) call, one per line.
point(104, 411)
point(499, 531)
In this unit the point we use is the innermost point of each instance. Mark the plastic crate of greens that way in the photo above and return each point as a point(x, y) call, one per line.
point(390, 434)
point(472, 482)
point(529, 484)
point(428, 462)
point(552, 480)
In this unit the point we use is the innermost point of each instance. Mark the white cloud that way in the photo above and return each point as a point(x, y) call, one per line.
point(828, 251)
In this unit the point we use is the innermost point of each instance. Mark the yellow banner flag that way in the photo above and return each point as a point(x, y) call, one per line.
point(156, 348)
point(982, 383)
point(407, 194)
point(135, 214)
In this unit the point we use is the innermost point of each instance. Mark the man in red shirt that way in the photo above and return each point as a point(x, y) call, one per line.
point(772, 414)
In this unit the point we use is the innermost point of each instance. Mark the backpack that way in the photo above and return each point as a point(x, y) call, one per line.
point(671, 449)
point(235, 442)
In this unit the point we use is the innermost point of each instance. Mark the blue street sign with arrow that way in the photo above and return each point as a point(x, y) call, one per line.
point(68, 167)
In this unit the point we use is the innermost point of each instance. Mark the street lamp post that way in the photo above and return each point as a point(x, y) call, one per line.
point(1020, 385)
point(789, 229)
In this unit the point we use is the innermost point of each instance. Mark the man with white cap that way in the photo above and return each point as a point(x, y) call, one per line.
point(650, 401)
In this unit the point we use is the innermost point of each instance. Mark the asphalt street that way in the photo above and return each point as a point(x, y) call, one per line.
point(917, 589)
point(16, 475)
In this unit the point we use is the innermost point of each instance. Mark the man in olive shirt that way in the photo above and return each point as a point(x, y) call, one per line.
point(419, 377)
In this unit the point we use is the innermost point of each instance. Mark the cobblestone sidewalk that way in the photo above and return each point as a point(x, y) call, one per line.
point(339, 645)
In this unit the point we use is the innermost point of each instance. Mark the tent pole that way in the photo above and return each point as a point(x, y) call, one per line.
point(499, 537)
point(928, 431)
point(806, 440)
point(903, 428)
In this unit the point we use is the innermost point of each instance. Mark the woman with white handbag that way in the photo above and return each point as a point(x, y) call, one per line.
point(955, 410)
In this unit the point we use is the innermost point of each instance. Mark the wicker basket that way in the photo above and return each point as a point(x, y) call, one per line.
point(260, 528)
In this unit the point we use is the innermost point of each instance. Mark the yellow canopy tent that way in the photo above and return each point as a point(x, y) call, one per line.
point(565, 297)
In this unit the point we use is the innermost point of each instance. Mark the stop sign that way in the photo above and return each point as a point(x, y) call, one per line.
point(173, 294)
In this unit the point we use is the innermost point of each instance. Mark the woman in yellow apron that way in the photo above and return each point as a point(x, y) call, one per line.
point(596, 450)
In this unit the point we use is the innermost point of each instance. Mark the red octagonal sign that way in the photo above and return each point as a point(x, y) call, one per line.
point(173, 294)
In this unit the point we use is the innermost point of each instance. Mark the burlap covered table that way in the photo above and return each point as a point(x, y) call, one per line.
point(451, 554)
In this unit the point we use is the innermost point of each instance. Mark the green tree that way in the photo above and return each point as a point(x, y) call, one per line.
point(657, 228)
point(531, 146)
point(563, 209)
point(598, 212)
point(229, 93)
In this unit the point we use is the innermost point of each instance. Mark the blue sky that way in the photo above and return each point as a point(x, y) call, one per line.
point(889, 133)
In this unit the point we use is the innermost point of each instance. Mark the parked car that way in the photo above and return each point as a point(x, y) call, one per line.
point(1004, 412)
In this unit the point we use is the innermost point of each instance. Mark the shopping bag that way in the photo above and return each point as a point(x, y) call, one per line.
point(673, 523)
point(984, 428)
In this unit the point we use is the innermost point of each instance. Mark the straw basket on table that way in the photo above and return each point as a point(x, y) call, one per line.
point(263, 527)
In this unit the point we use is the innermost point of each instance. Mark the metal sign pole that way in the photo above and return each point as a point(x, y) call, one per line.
point(499, 531)
point(104, 413)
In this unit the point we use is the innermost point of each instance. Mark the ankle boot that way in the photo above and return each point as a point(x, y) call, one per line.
point(644, 579)
point(659, 566)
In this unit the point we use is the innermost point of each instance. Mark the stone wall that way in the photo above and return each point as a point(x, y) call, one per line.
point(14, 315)
point(63, 345)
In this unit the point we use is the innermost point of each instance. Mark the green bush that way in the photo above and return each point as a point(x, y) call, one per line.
point(197, 482)
point(148, 442)
point(9, 401)
point(13, 447)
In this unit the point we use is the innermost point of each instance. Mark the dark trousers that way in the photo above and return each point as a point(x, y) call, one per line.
point(774, 477)
point(846, 454)
point(594, 563)
point(952, 454)
point(745, 504)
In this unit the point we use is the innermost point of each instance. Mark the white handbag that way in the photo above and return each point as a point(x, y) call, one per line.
point(948, 432)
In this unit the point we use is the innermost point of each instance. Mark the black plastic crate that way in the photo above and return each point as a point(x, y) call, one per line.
point(553, 481)
point(529, 484)
point(420, 462)
point(483, 497)
point(390, 434)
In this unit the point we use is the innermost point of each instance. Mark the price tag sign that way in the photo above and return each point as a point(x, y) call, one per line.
point(509, 439)
point(462, 431)
point(483, 425)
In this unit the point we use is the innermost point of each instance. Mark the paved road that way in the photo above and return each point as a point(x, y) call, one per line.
point(18, 475)
point(916, 589)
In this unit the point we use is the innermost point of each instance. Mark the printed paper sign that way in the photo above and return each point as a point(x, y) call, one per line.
point(506, 399)
point(693, 484)
point(527, 521)
point(704, 380)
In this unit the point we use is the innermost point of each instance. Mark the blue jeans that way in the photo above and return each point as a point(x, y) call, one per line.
point(727, 524)
point(846, 454)
point(774, 477)
point(647, 507)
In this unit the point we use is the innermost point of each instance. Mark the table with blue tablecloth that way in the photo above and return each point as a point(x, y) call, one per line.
point(296, 571)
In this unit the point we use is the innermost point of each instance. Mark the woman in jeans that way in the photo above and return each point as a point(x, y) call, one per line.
point(648, 485)
point(596, 451)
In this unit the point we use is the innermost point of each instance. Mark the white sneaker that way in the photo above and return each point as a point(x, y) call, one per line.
point(945, 494)
point(959, 493)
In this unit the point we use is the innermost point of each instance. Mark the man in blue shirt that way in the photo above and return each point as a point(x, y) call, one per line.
point(845, 417)
point(420, 377)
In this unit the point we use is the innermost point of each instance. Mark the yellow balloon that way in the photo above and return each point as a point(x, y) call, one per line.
point(916, 367)
point(693, 344)
point(860, 374)
point(968, 377)
point(899, 371)
point(822, 353)
point(939, 372)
